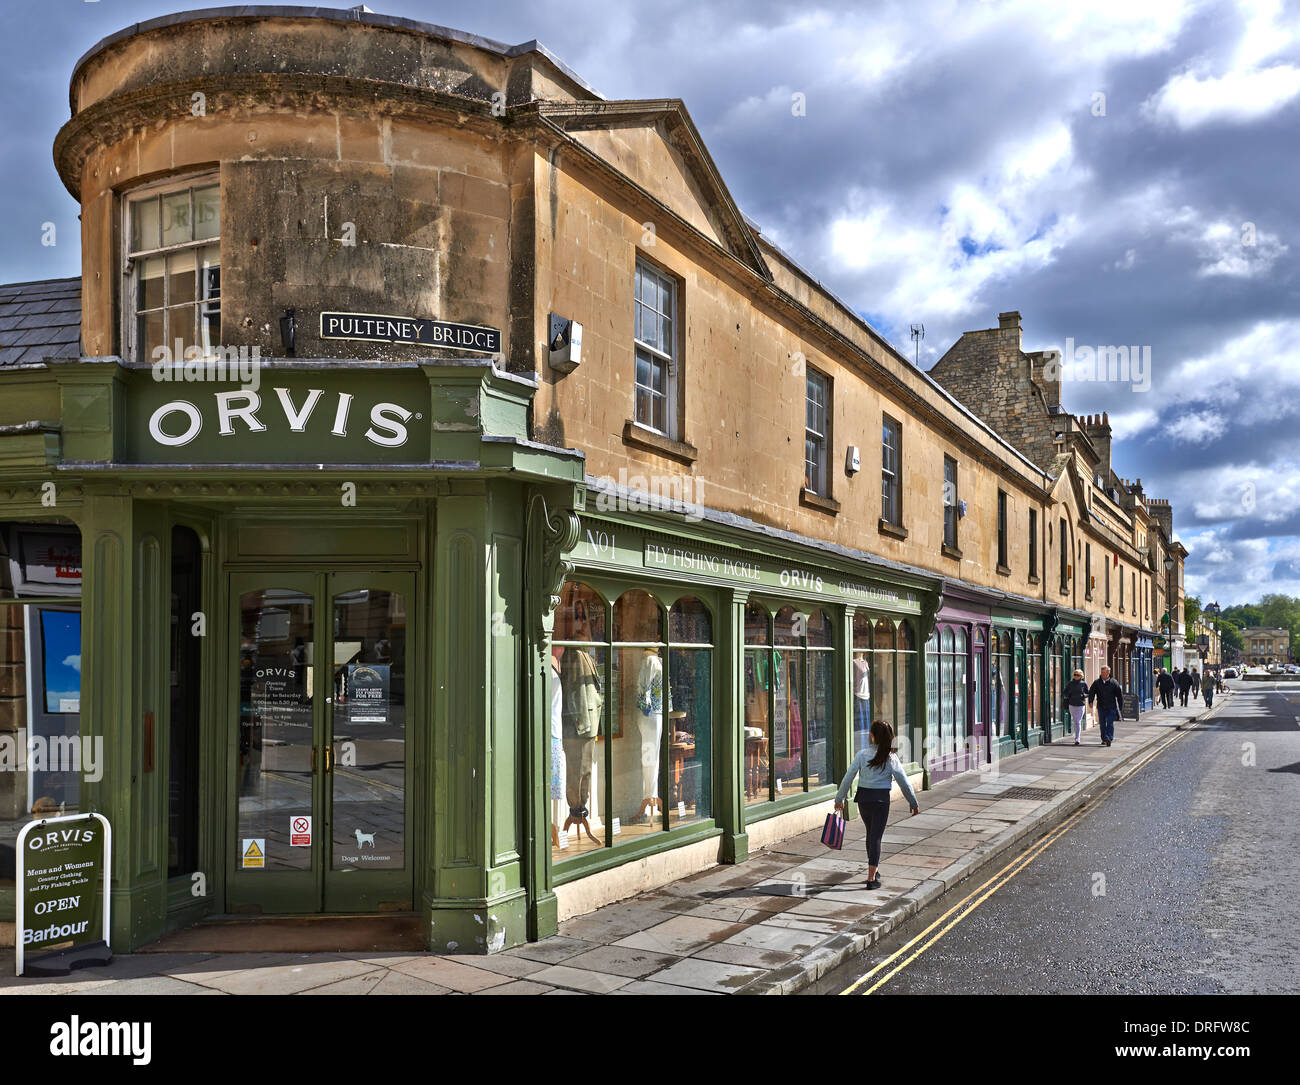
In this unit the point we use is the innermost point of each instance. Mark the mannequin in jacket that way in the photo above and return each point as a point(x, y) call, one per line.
point(650, 713)
point(580, 724)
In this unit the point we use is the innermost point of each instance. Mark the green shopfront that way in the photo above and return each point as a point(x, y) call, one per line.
point(276, 633)
point(706, 682)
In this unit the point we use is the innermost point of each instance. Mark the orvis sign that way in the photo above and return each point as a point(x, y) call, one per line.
point(379, 328)
point(318, 417)
point(62, 894)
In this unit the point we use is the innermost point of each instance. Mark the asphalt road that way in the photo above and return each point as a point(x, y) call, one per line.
point(1182, 880)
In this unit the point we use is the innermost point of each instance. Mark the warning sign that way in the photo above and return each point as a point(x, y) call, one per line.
point(300, 831)
point(254, 852)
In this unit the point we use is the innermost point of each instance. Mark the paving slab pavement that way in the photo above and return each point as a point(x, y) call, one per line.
point(771, 925)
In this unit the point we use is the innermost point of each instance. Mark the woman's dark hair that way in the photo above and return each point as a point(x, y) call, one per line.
point(882, 734)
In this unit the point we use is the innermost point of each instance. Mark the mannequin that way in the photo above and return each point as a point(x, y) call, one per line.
point(650, 709)
point(557, 742)
point(581, 713)
point(861, 694)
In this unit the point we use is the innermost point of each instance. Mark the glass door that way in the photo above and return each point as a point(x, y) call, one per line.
point(368, 752)
point(277, 721)
point(320, 812)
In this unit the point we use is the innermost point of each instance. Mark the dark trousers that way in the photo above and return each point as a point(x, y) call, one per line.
point(873, 805)
point(1183, 694)
point(1108, 718)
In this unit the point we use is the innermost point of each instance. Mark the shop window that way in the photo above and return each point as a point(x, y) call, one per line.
point(907, 725)
point(1002, 685)
point(655, 331)
point(44, 763)
point(789, 702)
point(631, 718)
point(862, 636)
point(173, 276)
point(689, 722)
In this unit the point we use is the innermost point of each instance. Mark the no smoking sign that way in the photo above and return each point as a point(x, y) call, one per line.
point(299, 831)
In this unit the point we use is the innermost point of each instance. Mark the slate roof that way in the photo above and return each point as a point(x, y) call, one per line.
point(40, 320)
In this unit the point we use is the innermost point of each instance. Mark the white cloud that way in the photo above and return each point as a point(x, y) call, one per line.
point(1197, 427)
point(74, 662)
point(1192, 98)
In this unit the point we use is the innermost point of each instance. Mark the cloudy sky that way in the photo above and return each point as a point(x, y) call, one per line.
point(1123, 172)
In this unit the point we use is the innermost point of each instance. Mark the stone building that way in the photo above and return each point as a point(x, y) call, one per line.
point(1263, 645)
point(454, 568)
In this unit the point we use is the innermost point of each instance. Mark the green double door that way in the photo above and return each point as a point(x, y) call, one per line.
point(319, 811)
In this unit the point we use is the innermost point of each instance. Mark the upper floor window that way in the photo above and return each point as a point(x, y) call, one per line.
point(1087, 570)
point(816, 433)
point(1065, 561)
point(891, 469)
point(656, 350)
point(1033, 544)
point(1002, 529)
point(173, 262)
point(1121, 589)
point(950, 502)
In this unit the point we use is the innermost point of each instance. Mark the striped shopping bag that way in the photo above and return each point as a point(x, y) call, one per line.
point(833, 832)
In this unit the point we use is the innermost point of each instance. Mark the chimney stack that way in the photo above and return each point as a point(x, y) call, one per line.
point(1097, 427)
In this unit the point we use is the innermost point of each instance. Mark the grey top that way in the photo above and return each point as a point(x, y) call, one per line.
point(872, 776)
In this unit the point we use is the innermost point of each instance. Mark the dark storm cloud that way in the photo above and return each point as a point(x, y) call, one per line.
point(949, 165)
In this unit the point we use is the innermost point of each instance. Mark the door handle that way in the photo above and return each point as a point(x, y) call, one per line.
point(329, 758)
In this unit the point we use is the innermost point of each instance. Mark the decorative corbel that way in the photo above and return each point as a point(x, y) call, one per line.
point(550, 537)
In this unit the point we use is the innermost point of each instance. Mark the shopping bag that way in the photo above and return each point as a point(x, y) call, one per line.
point(833, 832)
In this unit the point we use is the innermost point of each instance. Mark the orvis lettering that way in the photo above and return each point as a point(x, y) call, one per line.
point(242, 412)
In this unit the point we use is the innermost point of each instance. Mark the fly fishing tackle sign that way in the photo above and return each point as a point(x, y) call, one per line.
point(380, 328)
point(61, 861)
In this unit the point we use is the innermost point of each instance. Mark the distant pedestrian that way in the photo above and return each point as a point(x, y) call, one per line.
point(1196, 683)
point(1166, 683)
point(874, 767)
point(1207, 689)
point(1108, 695)
point(1184, 686)
point(1076, 699)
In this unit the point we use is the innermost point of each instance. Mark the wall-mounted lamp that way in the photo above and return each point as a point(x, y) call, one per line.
point(287, 333)
point(565, 344)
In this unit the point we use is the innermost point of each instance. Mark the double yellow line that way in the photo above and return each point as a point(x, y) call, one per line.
point(966, 907)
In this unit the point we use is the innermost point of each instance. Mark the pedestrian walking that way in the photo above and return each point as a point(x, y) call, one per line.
point(1184, 686)
point(874, 767)
point(1108, 695)
point(1196, 683)
point(1207, 689)
point(1165, 681)
point(1076, 699)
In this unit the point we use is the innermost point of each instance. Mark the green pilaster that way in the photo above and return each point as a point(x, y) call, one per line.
point(730, 736)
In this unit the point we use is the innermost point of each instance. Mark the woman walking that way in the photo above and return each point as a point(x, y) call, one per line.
point(874, 767)
point(1076, 698)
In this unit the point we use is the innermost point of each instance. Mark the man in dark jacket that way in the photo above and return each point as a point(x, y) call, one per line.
point(1165, 681)
point(1184, 686)
point(1196, 683)
point(1108, 695)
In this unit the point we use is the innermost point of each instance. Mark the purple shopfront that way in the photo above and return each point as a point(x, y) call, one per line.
point(957, 659)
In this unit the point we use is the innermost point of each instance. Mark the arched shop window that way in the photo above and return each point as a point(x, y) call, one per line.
point(862, 642)
point(907, 724)
point(789, 701)
point(1035, 681)
point(1000, 683)
point(40, 679)
point(632, 718)
point(947, 676)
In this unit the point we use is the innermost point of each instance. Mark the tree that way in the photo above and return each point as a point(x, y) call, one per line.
point(1191, 611)
point(1231, 635)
